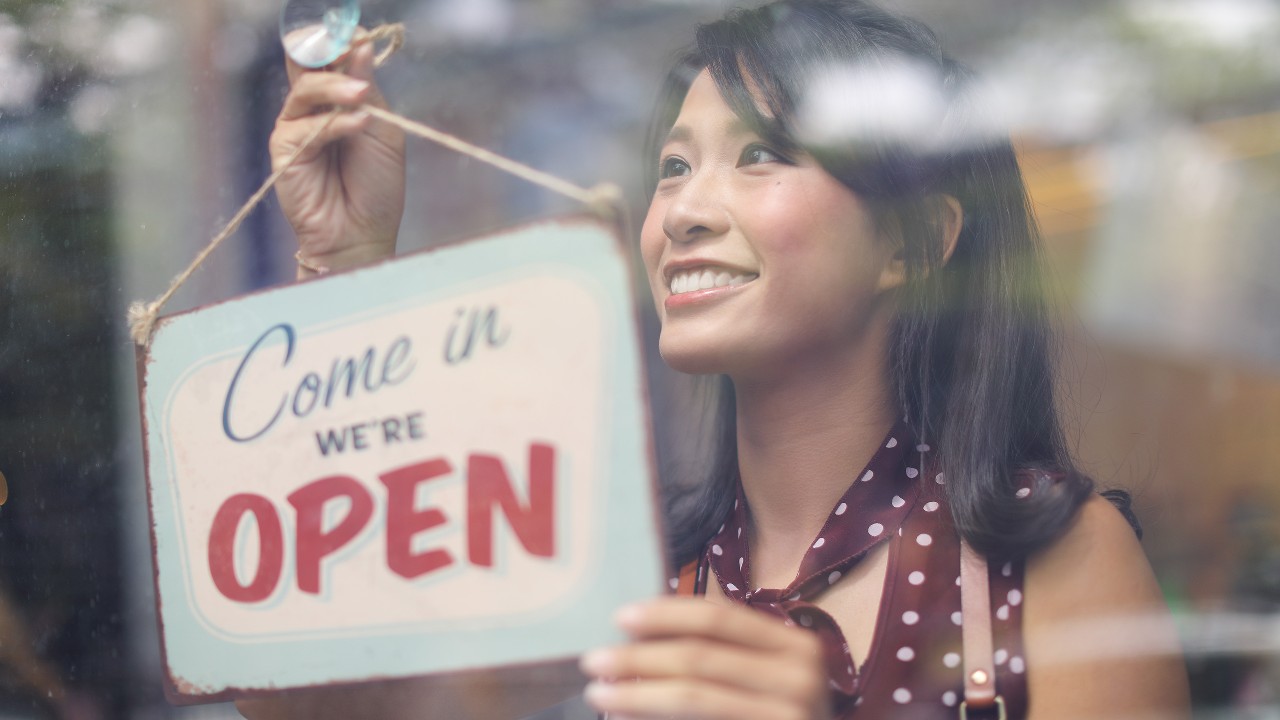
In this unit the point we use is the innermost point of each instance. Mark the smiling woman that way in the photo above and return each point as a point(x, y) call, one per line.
point(798, 250)
point(893, 284)
point(869, 295)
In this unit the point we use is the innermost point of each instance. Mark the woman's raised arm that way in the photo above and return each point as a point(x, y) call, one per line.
point(344, 195)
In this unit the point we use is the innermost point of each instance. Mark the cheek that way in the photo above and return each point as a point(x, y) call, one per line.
point(788, 217)
point(652, 243)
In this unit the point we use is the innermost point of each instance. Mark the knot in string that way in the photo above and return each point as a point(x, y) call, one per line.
point(392, 33)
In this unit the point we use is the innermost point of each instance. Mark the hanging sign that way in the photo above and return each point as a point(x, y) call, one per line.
point(438, 463)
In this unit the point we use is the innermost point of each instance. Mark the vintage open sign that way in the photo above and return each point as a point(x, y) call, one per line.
point(437, 463)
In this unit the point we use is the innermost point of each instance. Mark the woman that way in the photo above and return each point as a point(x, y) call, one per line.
point(872, 305)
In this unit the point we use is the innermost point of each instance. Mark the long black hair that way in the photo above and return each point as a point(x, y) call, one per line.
point(972, 357)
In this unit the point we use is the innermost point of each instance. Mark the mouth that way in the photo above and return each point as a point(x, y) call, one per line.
point(706, 278)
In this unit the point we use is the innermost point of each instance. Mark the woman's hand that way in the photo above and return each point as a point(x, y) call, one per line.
point(690, 658)
point(345, 194)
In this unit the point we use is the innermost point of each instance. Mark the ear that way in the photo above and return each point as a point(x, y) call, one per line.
point(950, 216)
point(894, 273)
point(948, 219)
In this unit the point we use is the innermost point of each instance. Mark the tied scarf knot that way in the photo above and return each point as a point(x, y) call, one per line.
point(868, 514)
point(835, 651)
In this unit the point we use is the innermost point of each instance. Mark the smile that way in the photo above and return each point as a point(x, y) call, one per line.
point(687, 281)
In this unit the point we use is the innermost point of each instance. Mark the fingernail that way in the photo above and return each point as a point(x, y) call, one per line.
point(598, 692)
point(598, 662)
point(356, 86)
point(629, 615)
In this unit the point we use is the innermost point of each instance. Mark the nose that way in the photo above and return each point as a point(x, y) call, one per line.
point(697, 210)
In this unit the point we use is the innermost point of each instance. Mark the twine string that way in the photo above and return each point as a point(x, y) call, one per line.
point(603, 199)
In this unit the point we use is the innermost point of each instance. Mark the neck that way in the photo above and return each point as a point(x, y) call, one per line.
point(802, 437)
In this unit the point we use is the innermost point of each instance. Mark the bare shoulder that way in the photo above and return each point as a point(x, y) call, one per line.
point(1099, 638)
point(1100, 547)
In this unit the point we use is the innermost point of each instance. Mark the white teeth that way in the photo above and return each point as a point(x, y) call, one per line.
point(684, 282)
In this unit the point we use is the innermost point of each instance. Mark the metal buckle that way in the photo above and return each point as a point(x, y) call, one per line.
point(1000, 714)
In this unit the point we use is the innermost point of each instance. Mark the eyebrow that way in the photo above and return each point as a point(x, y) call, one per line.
point(683, 133)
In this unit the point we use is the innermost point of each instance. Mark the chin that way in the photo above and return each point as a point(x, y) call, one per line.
point(693, 358)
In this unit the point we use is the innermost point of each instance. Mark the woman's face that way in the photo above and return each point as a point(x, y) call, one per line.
point(758, 261)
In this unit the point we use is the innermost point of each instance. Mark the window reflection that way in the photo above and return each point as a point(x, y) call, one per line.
point(129, 132)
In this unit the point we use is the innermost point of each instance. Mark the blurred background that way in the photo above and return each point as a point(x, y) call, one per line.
point(130, 130)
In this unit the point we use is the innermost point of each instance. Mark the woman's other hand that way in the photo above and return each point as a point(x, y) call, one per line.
point(344, 195)
point(690, 658)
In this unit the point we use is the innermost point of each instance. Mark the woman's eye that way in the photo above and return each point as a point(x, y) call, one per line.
point(672, 167)
point(756, 154)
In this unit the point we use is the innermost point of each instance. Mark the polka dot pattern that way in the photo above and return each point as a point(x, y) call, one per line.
point(916, 664)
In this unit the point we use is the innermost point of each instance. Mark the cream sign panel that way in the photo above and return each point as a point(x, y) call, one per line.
point(434, 464)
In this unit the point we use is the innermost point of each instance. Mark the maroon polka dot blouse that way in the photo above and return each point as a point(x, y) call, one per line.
point(914, 668)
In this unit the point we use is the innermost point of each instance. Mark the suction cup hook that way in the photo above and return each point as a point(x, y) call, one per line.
point(315, 33)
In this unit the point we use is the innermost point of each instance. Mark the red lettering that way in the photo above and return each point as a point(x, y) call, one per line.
point(489, 491)
point(488, 485)
point(404, 521)
point(314, 544)
point(222, 548)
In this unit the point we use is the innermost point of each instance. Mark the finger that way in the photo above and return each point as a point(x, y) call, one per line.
point(293, 70)
point(318, 91)
point(360, 62)
point(361, 68)
point(752, 670)
point(289, 135)
point(688, 700)
point(679, 617)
